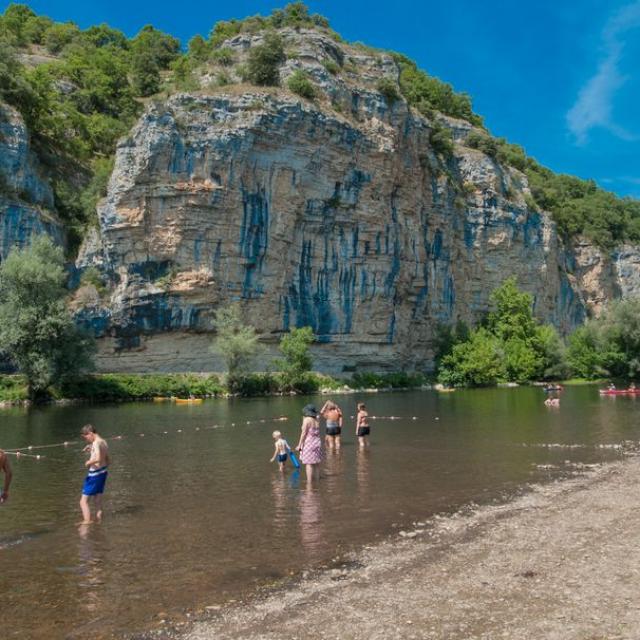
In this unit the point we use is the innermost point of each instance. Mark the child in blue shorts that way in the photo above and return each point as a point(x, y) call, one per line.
point(282, 450)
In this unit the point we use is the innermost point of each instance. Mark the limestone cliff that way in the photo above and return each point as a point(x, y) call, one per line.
point(26, 198)
point(336, 213)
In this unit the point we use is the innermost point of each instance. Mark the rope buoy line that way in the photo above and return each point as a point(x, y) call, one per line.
point(19, 452)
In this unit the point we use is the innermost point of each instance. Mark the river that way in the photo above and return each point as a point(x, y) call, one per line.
point(196, 516)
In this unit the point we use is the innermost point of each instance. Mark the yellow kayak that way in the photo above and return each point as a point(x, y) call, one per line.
point(189, 400)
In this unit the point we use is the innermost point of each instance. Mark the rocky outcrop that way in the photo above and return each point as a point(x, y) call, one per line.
point(310, 218)
point(26, 198)
point(336, 214)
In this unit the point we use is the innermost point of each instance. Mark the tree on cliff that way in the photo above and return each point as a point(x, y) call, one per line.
point(265, 60)
point(37, 331)
point(236, 342)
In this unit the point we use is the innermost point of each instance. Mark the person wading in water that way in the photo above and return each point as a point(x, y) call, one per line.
point(310, 444)
point(332, 413)
point(97, 476)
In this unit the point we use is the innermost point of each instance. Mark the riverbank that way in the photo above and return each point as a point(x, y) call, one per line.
point(559, 563)
point(113, 387)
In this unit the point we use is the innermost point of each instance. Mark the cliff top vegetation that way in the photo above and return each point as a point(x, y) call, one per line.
point(79, 91)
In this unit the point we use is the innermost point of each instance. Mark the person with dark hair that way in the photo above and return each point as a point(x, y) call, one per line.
point(97, 476)
point(310, 444)
point(5, 468)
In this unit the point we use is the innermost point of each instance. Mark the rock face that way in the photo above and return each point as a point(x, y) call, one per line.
point(336, 214)
point(26, 198)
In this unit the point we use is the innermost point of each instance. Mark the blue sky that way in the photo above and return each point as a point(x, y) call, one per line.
point(559, 77)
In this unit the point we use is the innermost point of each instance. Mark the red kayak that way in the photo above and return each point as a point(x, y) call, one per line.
point(619, 392)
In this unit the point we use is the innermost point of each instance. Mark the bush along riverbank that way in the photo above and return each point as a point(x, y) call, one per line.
point(114, 387)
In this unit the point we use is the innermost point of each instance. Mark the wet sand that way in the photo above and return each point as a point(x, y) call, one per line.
point(561, 562)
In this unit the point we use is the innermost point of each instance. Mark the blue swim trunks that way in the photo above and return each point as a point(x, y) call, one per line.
point(282, 457)
point(94, 482)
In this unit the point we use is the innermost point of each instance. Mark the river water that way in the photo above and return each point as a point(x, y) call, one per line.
point(196, 515)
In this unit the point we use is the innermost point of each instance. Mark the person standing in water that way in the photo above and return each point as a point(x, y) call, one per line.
point(310, 444)
point(332, 413)
point(362, 425)
point(282, 450)
point(5, 468)
point(97, 476)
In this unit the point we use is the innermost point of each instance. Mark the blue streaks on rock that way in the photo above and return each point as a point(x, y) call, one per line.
point(20, 223)
point(254, 238)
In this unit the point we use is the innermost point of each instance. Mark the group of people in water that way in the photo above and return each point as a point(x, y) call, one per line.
point(310, 447)
point(310, 442)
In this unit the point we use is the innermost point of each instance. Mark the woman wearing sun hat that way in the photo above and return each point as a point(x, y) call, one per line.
point(310, 445)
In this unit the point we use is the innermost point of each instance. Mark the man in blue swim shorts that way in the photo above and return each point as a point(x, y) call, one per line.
point(97, 476)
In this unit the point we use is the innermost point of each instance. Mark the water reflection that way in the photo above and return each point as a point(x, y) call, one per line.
point(90, 564)
point(280, 493)
point(312, 529)
point(363, 473)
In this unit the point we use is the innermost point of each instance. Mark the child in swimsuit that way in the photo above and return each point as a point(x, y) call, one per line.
point(362, 425)
point(282, 450)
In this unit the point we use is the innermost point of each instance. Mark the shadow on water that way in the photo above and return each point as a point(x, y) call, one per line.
point(196, 515)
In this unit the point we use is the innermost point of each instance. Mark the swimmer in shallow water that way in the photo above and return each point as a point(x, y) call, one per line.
point(332, 413)
point(5, 468)
point(282, 450)
point(362, 425)
point(97, 476)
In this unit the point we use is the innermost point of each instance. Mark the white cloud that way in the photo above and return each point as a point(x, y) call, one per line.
point(594, 105)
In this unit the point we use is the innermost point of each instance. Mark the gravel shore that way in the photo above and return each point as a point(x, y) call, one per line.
point(559, 563)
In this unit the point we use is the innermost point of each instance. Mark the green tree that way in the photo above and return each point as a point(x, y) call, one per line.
point(441, 140)
point(97, 188)
point(476, 362)
point(37, 331)
point(300, 83)
point(297, 362)
point(554, 363)
point(103, 35)
point(584, 353)
point(236, 342)
point(162, 48)
point(183, 77)
point(59, 35)
point(512, 346)
point(199, 48)
point(145, 75)
point(265, 60)
point(511, 316)
point(389, 90)
point(15, 19)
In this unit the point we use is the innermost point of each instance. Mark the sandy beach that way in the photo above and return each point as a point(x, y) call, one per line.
point(561, 562)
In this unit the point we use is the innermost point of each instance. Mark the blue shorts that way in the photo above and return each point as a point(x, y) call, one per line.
point(94, 482)
point(282, 457)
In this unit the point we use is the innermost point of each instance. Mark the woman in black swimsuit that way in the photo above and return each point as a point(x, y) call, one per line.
point(362, 425)
point(332, 413)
